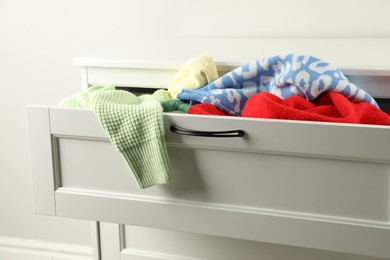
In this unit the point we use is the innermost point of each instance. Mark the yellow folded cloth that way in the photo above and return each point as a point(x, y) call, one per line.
point(194, 74)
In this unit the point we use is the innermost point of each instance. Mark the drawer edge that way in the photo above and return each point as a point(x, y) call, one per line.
point(41, 159)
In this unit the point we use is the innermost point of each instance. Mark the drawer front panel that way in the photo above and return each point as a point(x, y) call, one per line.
point(281, 177)
point(296, 138)
point(278, 182)
point(278, 165)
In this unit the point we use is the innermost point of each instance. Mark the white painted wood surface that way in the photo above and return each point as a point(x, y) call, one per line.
point(41, 155)
point(154, 68)
point(110, 241)
point(264, 187)
point(138, 243)
point(355, 56)
point(306, 184)
point(95, 240)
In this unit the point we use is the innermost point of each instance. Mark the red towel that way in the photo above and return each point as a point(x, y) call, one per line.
point(329, 107)
point(206, 109)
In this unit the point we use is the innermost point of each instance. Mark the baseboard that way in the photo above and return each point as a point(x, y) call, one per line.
point(133, 254)
point(26, 249)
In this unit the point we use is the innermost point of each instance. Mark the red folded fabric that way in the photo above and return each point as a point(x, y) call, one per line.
point(206, 109)
point(329, 107)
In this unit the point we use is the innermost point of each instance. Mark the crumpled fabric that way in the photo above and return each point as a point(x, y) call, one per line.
point(282, 75)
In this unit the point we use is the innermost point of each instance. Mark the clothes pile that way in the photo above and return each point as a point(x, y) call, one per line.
point(293, 87)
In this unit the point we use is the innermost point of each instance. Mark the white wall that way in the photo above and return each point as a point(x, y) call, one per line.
point(38, 40)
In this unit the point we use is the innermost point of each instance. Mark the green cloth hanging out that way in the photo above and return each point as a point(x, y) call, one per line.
point(134, 126)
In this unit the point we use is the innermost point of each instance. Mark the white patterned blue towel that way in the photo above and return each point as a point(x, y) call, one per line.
point(283, 76)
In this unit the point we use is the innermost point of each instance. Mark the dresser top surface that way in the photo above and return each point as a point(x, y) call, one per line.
point(354, 56)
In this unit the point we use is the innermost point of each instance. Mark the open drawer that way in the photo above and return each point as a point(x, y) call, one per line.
point(308, 184)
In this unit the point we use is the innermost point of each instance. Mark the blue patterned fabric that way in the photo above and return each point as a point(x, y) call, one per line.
point(283, 76)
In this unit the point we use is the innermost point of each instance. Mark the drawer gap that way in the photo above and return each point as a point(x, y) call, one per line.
point(138, 90)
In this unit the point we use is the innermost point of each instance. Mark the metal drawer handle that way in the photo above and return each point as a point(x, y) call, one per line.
point(184, 131)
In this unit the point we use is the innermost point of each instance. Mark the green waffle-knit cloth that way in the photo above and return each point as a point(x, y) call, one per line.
point(135, 127)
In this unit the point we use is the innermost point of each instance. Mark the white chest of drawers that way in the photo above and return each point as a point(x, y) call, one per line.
point(280, 183)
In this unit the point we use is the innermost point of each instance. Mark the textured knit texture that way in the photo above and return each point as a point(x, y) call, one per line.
point(134, 126)
point(194, 74)
point(283, 75)
point(329, 107)
point(206, 109)
point(162, 95)
point(175, 105)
